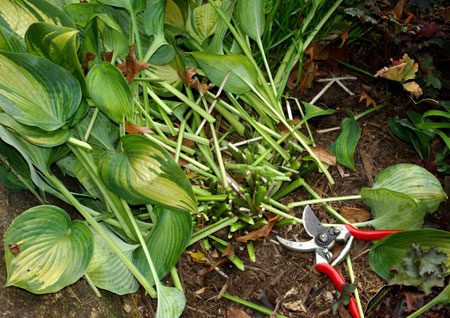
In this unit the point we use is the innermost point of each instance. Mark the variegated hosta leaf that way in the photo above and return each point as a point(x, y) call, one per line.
point(166, 242)
point(45, 251)
point(110, 91)
point(58, 44)
point(142, 172)
point(414, 181)
point(171, 302)
point(241, 72)
point(37, 92)
point(203, 20)
point(106, 269)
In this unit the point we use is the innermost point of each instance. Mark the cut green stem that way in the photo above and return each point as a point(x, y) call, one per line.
point(253, 306)
point(323, 200)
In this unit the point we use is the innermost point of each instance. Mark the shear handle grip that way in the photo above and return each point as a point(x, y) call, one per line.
point(369, 235)
point(339, 282)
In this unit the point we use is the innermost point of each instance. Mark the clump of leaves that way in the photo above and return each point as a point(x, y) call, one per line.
point(422, 269)
point(344, 297)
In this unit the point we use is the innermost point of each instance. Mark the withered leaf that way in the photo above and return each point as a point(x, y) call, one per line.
point(413, 88)
point(136, 129)
point(214, 266)
point(197, 256)
point(229, 251)
point(236, 313)
point(369, 100)
point(324, 155)
point(401, 70)
point(193, 82)
point(131, 67)
point(411, 297)
point(263, 231)
point(355, 215)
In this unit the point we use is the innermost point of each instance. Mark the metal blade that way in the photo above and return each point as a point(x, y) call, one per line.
point(308, 246)
point(311, 223)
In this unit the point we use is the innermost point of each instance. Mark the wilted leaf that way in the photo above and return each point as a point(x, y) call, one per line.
point(136, 129)
point(197, 256)
point(131, 67)
point(413, 88)
point(369, 100)
point(355, 215)
point(236, 313)
point(263, 231)
point(324, 155)
point(402, 70)
point(45, 251)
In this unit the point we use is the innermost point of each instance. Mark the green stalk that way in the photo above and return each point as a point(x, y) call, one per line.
point(78, 143)
point(91, 124)
point(180, 140)
point(136, 33)
point(176, 279)
point(253, 306)
point(99, 229)
point(212, 197)
point(150, 119)
point(368, 111)
point(223, 172)
point(351, 274)
point(306, 122)
point(442, 298)
point(210, 229)
point(323, 200)
point(280, 213)
point(197, 139)
point(92, 285)
point(251, 251)
point(288, 189)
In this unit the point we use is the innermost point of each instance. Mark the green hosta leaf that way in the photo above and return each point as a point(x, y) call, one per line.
point(203, 20)
point(9, 40)
point(125, 4)
point(166, 242)
point(216, 45)
point(171, 302)
point(35, 135)
point(110, 91)
point(37, 92)
point(106, 269)
point(71, 166)
point(392, 249)
point(143, 172)
point(345, 145)
point(250, 16)
point(58, 44)
point(393, 210)
point(241, 71)
point(45, 251)
point(20, 14)
point(413, 181)
point(8, 178)
point(312, 111)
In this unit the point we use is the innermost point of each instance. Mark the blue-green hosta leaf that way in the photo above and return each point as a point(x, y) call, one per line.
point(110, 91)
point(414, 181)
point(142, 172)
point(35, 135)
point(37, 92)
point(58, 44)
point(251, 18)
point(241, 71)
point(393, 210)
point(345, 145)
point(20, 14)
point(393, 248)
point(171, 302)
point(166, 242)
point(107, 271)
point(221, 29)
point(45, 251)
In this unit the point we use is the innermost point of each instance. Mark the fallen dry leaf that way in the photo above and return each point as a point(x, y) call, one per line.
point(191, 81)
point(229, 251)
point(355, 215)
point(369, 100)
point(344, 37)
point(398, 10)
point(367, 165)
point(413, 88)
point(131, 67)
point(136, 129)
point(263, 231)
point(401, 70)
point(198, 256)
point(296, 305)
point(410, 297)
point(324, 155)
point(236, 313)
point(214, 266)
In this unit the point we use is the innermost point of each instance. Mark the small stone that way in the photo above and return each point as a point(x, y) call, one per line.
point(127, 308)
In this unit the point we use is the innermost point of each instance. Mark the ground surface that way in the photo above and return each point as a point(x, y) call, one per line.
point(279, 279)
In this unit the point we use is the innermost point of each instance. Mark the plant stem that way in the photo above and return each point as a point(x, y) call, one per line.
point(323, 200)
point(253, 306)
point(280, 213)
point(213, 228)
point(351, 274)
point(99, 229)
point(368, 111)
point(176, 279)
point(92, 285)
point(78, 143)
point(180, 139)
point(91, 124)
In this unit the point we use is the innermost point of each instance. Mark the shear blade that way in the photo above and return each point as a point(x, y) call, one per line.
point(307, 246)
point(311, 223)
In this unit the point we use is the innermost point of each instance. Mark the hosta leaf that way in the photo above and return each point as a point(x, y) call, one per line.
point(37, 92)
point(241, 71)
point(58, 44)
point(171, 302)
point(110, 91)
point(107, 271)
point(9, 40)
point(312, 111)
point(71, 166)
point(203, 21)
point(345, 145)
point(414, 181)
point(45, 251)
point(250, 16)
point(35, 135)
point(143, 172)
point(392, 210)
point(166, 242)
point(125, 4)
point(216, 45)
point(392, 249)
point(20, 14)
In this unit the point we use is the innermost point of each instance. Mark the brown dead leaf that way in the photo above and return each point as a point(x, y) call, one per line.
point(283, 129)
point(344, 37)
point(355, 215)
point(193, 82)
point(367, 165)
point(131, 67)
point(324, 155)
point(85, 65)
point(369, 100)
point(229, 251)
point(398, 10)
point(136, 129)
point(236, 313)
point(263, 231)
point(410, 297)
point(214, 266)
point(413, 88)
point(296, 305)
point(14, 249)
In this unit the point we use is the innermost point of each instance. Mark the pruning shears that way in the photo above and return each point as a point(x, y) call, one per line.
point(323, 239)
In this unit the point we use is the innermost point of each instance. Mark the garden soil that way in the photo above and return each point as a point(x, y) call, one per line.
point(279, 279)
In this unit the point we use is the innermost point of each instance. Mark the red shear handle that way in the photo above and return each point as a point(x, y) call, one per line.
point(338, 281)
point(369, 235)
